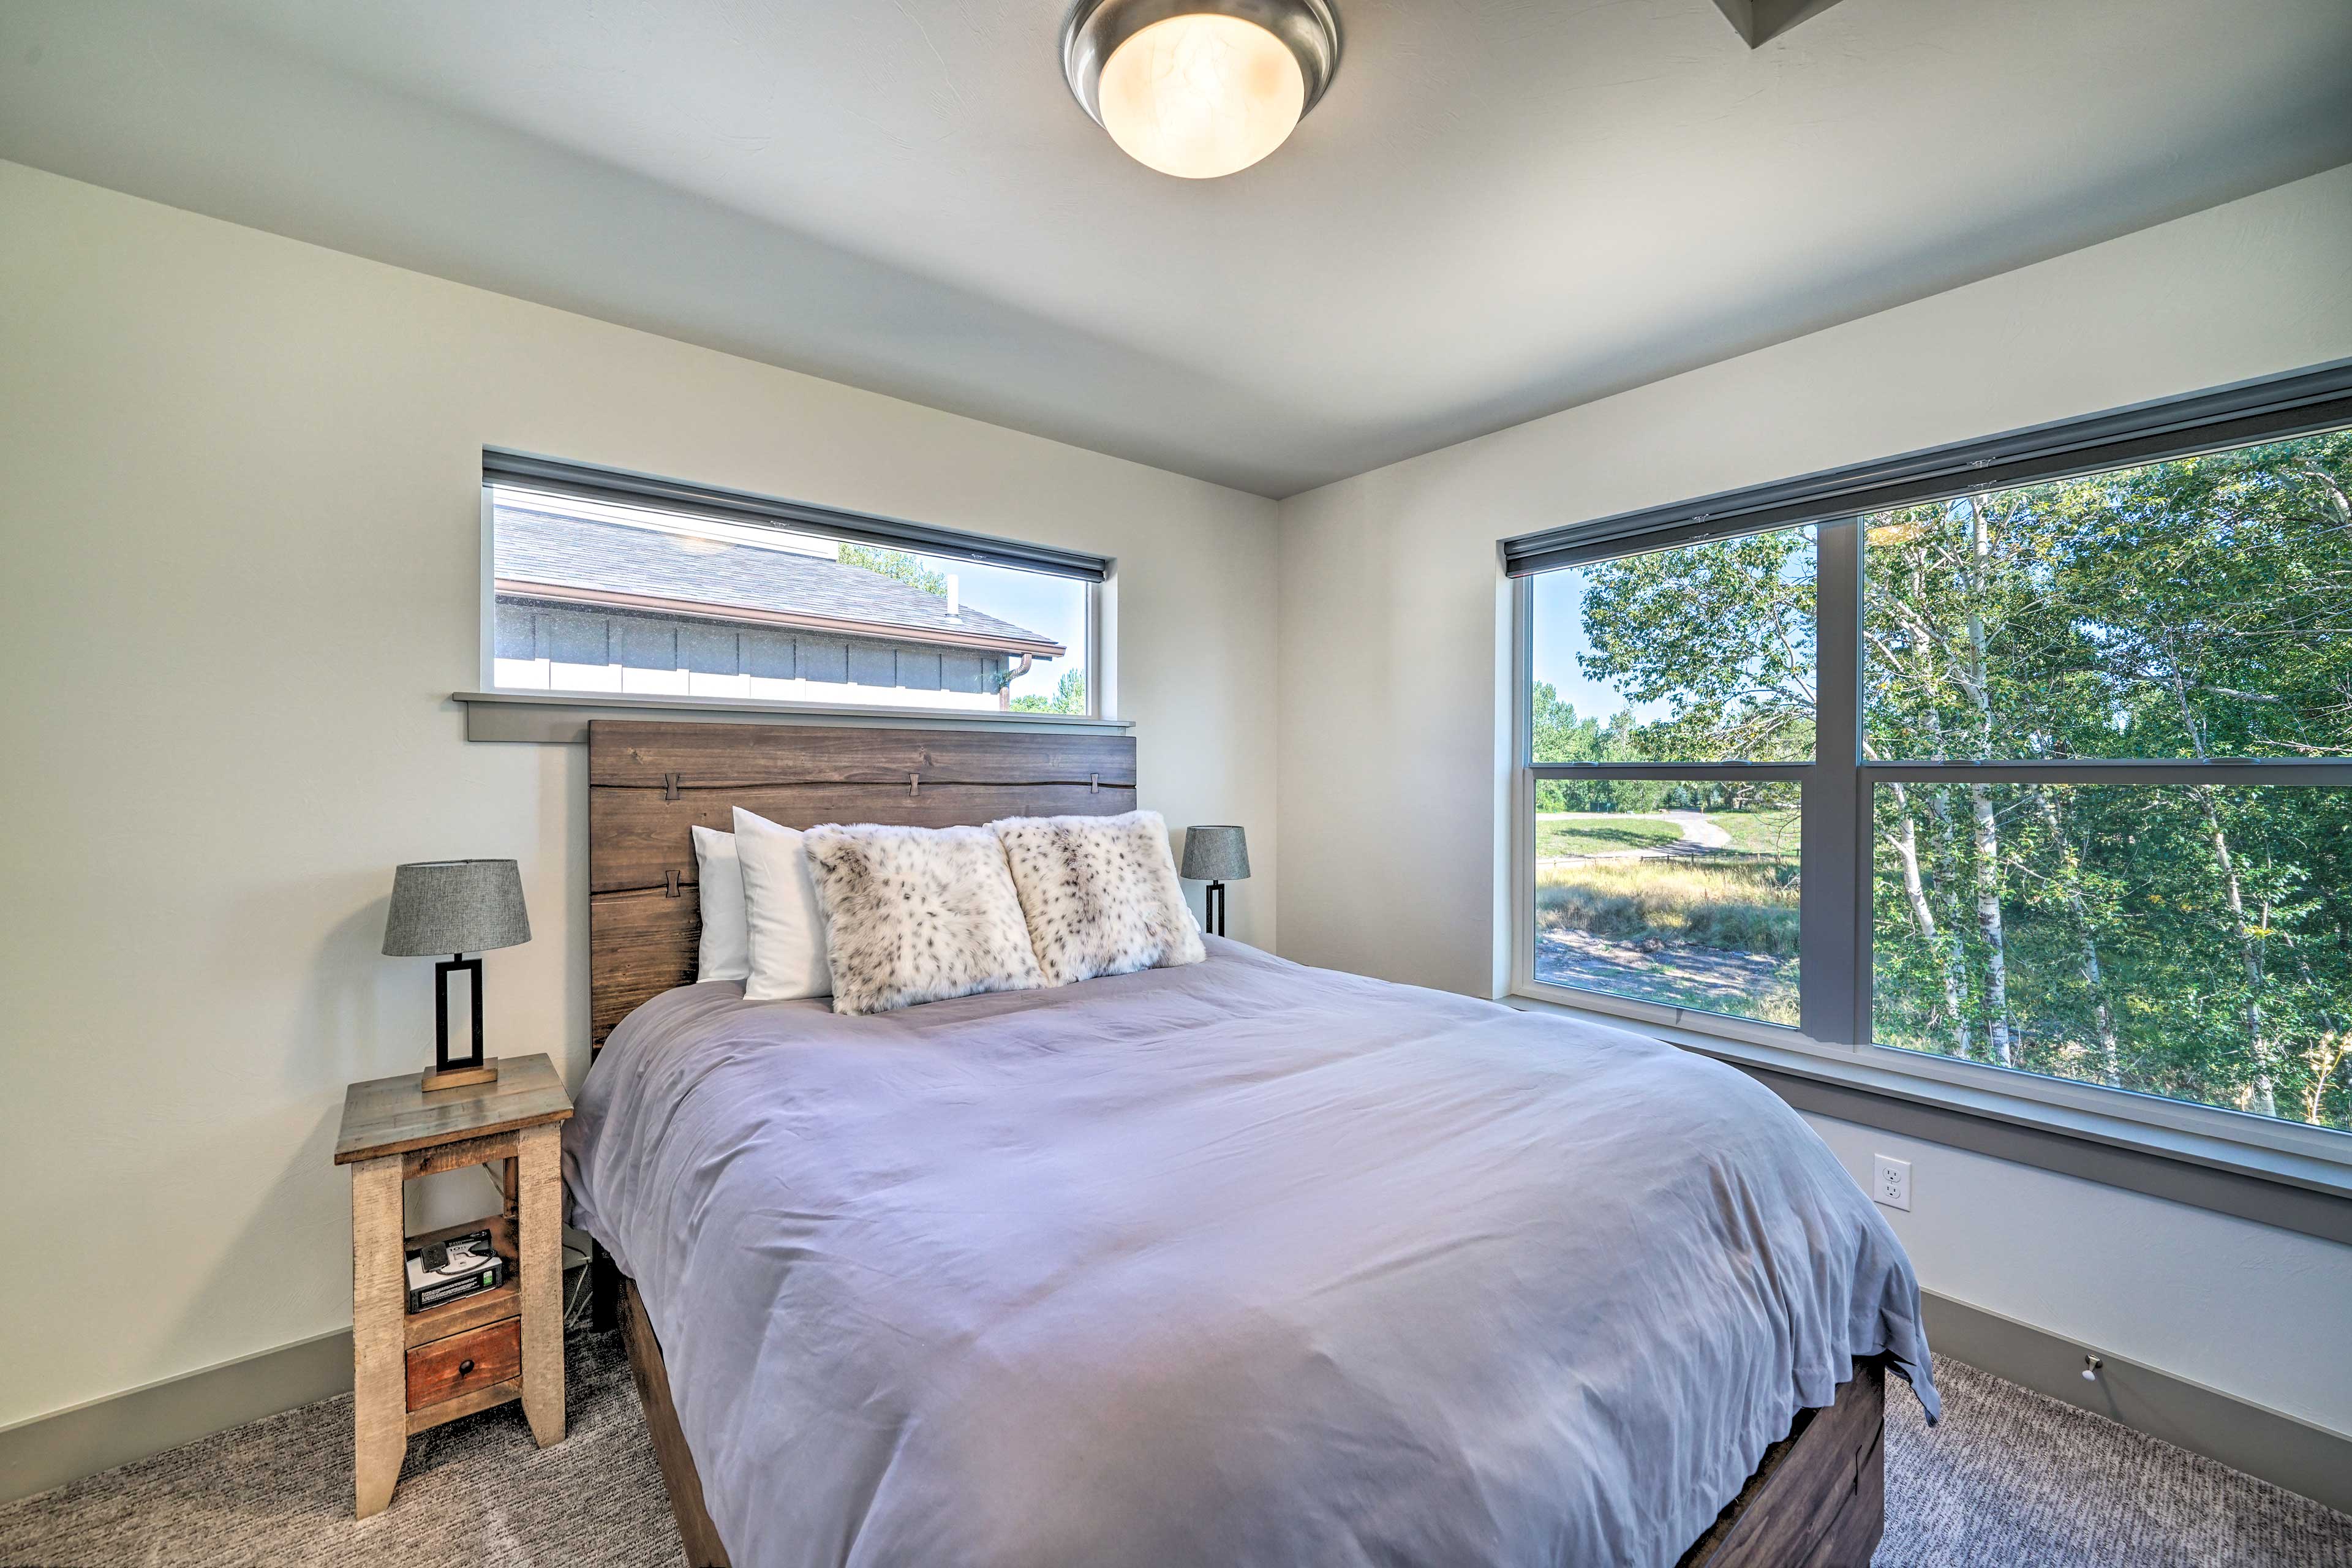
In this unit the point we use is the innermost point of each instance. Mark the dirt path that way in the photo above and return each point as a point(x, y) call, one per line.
point(1699, 836)
point(1676, 974)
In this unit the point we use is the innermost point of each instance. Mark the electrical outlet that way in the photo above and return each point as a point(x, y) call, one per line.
point(1890, 1182)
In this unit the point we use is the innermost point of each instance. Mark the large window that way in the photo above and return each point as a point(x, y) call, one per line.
point(596, 588)
point(2052, 776)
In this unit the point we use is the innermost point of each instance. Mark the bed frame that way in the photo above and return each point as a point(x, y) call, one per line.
point(1817, 1499)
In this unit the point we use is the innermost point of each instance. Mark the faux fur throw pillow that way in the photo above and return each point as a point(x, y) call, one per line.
point(918, 914)
point(1100, 894)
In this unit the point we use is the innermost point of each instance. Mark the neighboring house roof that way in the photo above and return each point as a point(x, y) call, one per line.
point(583, 561)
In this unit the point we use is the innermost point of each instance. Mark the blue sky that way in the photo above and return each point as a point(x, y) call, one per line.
point(1053, 607)
point(1560, 637)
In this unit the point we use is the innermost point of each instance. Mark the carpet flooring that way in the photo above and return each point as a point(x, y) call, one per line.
point(2010, 1478)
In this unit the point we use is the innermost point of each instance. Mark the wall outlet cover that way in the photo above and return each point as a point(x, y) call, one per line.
point(1890, 1181)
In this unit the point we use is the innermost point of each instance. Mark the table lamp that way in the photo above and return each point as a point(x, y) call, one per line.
point(1216, 854)
point(456, 907)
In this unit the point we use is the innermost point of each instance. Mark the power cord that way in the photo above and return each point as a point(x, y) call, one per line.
point(578, 1304)
point(574, 1309)
point(498, 1182)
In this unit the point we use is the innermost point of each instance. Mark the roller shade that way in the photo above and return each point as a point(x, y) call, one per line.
point(554, 477)
point(2271, 409)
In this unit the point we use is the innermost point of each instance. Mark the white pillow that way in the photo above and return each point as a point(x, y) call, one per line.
point(718, 877)
point(785, 928)
point(916, 914)
point(1100, 894)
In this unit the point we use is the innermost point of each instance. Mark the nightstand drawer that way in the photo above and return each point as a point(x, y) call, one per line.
point(463, 1363)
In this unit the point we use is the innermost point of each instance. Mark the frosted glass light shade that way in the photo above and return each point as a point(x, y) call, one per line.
point(1201, 95)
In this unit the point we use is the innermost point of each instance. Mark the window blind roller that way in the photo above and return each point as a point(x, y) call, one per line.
point(552, 475)
point(2271, 409)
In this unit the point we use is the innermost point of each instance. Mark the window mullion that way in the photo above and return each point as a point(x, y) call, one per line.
point(1671, 771)
point(1833, 904)
point(1522, 869)
point(2255, 771)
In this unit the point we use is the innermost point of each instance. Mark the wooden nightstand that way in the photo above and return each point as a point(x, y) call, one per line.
point(413, 1371)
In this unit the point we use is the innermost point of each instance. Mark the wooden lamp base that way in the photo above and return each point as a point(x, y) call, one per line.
point(460, 1076)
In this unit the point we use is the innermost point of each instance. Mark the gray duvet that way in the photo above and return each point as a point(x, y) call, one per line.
point(1241, 1263)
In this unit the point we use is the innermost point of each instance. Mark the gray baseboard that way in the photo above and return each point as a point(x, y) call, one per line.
point(2277, 1448)
point(49, 1451)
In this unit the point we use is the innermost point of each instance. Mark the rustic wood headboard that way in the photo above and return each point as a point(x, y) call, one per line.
point(649, 783)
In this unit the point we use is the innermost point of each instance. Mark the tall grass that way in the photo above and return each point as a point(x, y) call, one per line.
point(1749, 906)
point(1773, 831)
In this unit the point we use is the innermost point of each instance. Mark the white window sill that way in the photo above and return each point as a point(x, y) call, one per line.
point(560, 718)
point(2282, 1173)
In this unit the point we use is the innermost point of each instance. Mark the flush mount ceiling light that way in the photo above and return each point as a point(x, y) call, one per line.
point(1200, 88)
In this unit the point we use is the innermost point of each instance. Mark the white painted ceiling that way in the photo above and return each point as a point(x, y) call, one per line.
point(1502, 208)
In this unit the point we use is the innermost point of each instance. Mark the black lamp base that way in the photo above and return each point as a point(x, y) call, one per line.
point(1213, 904)
point(457, 1072)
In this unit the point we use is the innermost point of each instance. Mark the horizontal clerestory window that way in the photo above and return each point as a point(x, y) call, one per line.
point(610, 583)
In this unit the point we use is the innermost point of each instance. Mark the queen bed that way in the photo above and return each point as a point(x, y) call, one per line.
point(1236, 1262)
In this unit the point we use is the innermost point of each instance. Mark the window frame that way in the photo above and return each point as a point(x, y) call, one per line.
point(1097, 574)
point(1836, 823)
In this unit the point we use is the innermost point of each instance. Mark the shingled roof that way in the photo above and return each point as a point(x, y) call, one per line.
point(575, 559)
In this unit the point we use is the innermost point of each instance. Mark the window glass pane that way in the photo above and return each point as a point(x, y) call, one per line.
point(1702, 654)
point(2191, 608)
point(1679, 893)
point(2191, 941)
point(598, 597)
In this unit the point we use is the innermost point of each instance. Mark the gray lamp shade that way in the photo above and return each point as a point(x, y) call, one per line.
point(1215, 854)
point(455, 906)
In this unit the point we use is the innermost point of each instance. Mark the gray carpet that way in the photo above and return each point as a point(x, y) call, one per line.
point(2010, 1478)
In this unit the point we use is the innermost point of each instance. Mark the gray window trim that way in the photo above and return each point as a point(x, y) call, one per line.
point(1927, 1074)
point(1832, 1046)
point(2225, 1170)
point(2268, 408)
point(561, 718)
point(622, 488)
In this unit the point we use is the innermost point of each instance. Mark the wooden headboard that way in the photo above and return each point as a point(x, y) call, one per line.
point(649, 783)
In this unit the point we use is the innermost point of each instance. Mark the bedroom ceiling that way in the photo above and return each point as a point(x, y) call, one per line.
point(1502, 207)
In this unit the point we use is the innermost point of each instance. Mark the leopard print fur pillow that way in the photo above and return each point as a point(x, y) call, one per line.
point(1100, 894)
point(918, 914)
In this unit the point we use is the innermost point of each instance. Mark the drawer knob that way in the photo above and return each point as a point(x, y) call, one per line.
point(465, 1366)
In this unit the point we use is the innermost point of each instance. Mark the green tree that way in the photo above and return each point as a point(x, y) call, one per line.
point(1722, 633)
point(1069, 696)
point(1560, 736)
point(896, 565)
point(2186, 939)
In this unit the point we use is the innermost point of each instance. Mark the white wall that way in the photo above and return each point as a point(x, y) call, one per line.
point(238, 580)
point(2249, 1309)
point(1394, 771)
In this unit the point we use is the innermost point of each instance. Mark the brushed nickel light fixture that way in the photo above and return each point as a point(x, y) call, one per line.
point(1197, 89)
